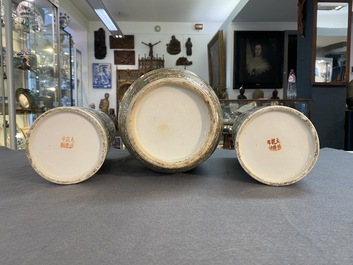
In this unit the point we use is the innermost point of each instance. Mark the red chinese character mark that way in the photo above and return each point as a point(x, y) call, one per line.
point(274, 144)
point(67, 142)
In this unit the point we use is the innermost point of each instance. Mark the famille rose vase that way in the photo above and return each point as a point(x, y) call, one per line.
point(170, 119)
point(275, 145)
point(67, 145)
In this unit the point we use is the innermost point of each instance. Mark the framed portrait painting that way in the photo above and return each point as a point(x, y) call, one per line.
point(102, 75)
point(258, 59)
point(216, 62)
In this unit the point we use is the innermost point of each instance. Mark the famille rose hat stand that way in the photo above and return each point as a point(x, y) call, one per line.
point(275, 145)
point(67, 145)
point(171, 121)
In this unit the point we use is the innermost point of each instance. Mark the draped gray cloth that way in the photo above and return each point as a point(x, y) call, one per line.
point(213, 214)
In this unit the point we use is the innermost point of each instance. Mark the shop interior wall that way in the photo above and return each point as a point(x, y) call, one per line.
point(144, 32)
point(229, 40)
point(328, 103)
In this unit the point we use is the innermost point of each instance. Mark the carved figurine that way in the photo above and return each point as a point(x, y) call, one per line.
point(275, 94)
point(241, 91)
point(183, 61)
point(188, 46)
point(113, 117)
point(258, 93)
point(173, 47)
point(151, 48)
point(104, 103)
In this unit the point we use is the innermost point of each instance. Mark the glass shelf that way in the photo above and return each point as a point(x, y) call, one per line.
point(40, 67)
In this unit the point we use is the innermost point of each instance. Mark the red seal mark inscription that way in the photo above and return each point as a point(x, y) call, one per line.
point(274, 144)
point(67, 142)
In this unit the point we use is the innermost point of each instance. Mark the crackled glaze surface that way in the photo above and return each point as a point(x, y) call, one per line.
point(67, 145)
point(276, 145)
point(170, 119)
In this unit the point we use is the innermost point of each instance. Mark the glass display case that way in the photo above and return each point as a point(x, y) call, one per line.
point(31, 63)
point(66, 68)
point(77, 77)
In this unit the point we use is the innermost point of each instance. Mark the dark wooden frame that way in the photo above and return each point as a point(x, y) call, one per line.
point(124, 57)
point(216, 62)
point(314, 44)
point(273, 52)
point(127, 42)
point(124, 78)
point(301, 17)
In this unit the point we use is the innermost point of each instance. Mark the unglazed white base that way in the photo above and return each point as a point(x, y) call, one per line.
point(66, 147)
point(170, 123)
point(170, 119)
point(277, 145)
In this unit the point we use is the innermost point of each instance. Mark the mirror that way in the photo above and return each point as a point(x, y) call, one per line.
point(331, 42)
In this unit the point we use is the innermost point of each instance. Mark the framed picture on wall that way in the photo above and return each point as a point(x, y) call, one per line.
point(102, 75)
point(216, 62)
point(124, 57)
point(258, 59)
point(127, 42)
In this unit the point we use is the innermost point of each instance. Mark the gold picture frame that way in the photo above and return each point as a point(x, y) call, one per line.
point(216, 62)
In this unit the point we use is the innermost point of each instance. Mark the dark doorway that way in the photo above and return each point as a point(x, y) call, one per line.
point(292, 52)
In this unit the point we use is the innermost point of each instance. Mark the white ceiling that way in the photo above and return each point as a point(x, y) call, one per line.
point(268, 11)
point(163, 10)
point(194, 10)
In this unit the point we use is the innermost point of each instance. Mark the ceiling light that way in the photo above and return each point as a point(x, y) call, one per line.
point(107, 19)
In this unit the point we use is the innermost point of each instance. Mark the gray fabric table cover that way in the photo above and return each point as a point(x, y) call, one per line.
point(213, 214)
